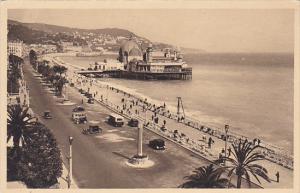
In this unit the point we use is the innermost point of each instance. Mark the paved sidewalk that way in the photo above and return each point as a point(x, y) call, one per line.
point(63, 184)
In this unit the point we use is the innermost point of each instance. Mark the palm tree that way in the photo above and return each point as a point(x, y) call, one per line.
point(19, 122)
point(242, 163)
point(206, 177)
point(32, 57)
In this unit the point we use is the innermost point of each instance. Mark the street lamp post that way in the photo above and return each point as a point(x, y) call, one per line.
point(226, 131)
point(70, 162)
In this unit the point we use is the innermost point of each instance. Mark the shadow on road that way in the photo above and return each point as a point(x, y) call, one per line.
point(121, 155)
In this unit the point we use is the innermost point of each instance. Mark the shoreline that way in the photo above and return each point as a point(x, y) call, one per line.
point(190, 122)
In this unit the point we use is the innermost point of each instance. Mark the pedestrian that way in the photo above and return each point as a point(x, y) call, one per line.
point(165, 122)
point(229, 151)
point(209, 142)
point(152, 117)
point(223, 151)
point(81, 101)
point(164, 105)
point(220, 158)
point(277, 176)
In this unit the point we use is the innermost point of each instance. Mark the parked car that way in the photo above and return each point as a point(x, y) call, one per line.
point(89, 95)
point(133, 122)
point(79, 117)
point(81, 91)
point(92, 129)
point(115, 120)
point(47, 115)
point(157, 144)
point(91, 100)
point(78, 109)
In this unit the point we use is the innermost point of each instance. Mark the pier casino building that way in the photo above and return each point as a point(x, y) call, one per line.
point(141, 64)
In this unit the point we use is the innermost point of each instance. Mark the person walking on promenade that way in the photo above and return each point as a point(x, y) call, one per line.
point(229, 151)
point(81, 101)
point(210, 141)
point(165, 122)
point(223, 151)
point(220, 158)
point(277, 176)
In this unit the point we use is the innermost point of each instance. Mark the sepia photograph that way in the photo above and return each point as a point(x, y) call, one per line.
point(108, 98)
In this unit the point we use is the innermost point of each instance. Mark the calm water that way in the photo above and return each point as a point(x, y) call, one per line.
point(253, 93)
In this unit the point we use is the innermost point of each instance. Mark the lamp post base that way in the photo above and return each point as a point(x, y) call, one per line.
point(138, 161)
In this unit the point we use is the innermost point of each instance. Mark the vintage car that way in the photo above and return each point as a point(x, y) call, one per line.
point(78, 109)
point(157, 144)
point(79, 116)
point(115, 120)
point(91, 100)
point(47, 115)
point(133, 122)
point(92, 129)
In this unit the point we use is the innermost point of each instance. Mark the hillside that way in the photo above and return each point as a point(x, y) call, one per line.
point(44, 33)
point(61, 29)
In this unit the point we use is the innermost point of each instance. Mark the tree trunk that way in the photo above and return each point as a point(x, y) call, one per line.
point(239, 181)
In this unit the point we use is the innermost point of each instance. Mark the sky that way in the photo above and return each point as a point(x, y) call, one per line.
point(213, 30)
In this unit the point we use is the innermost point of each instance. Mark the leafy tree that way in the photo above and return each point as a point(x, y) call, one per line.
point(32, 57)
point(41, 163)
point(59, 84)
point(15, 60)
point(44, 69)
point(243, 163)
point(59, 69)
point(19, 123)
point(13, 76)
point(206, 177)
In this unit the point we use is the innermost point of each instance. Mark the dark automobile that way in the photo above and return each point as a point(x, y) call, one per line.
point(157, 144)
point(91, 100)
point(89, 95)
point(47, 115)
point(81, 91)
point(92, 129)
point(80, 120)
point(78, 109)
point(133, 122)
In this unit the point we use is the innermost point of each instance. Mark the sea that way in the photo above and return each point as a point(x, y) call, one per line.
point(252, 93)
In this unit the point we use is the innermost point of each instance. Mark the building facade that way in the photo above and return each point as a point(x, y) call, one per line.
point(15, 48)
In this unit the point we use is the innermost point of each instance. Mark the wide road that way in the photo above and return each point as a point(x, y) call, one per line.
point(100, 161)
